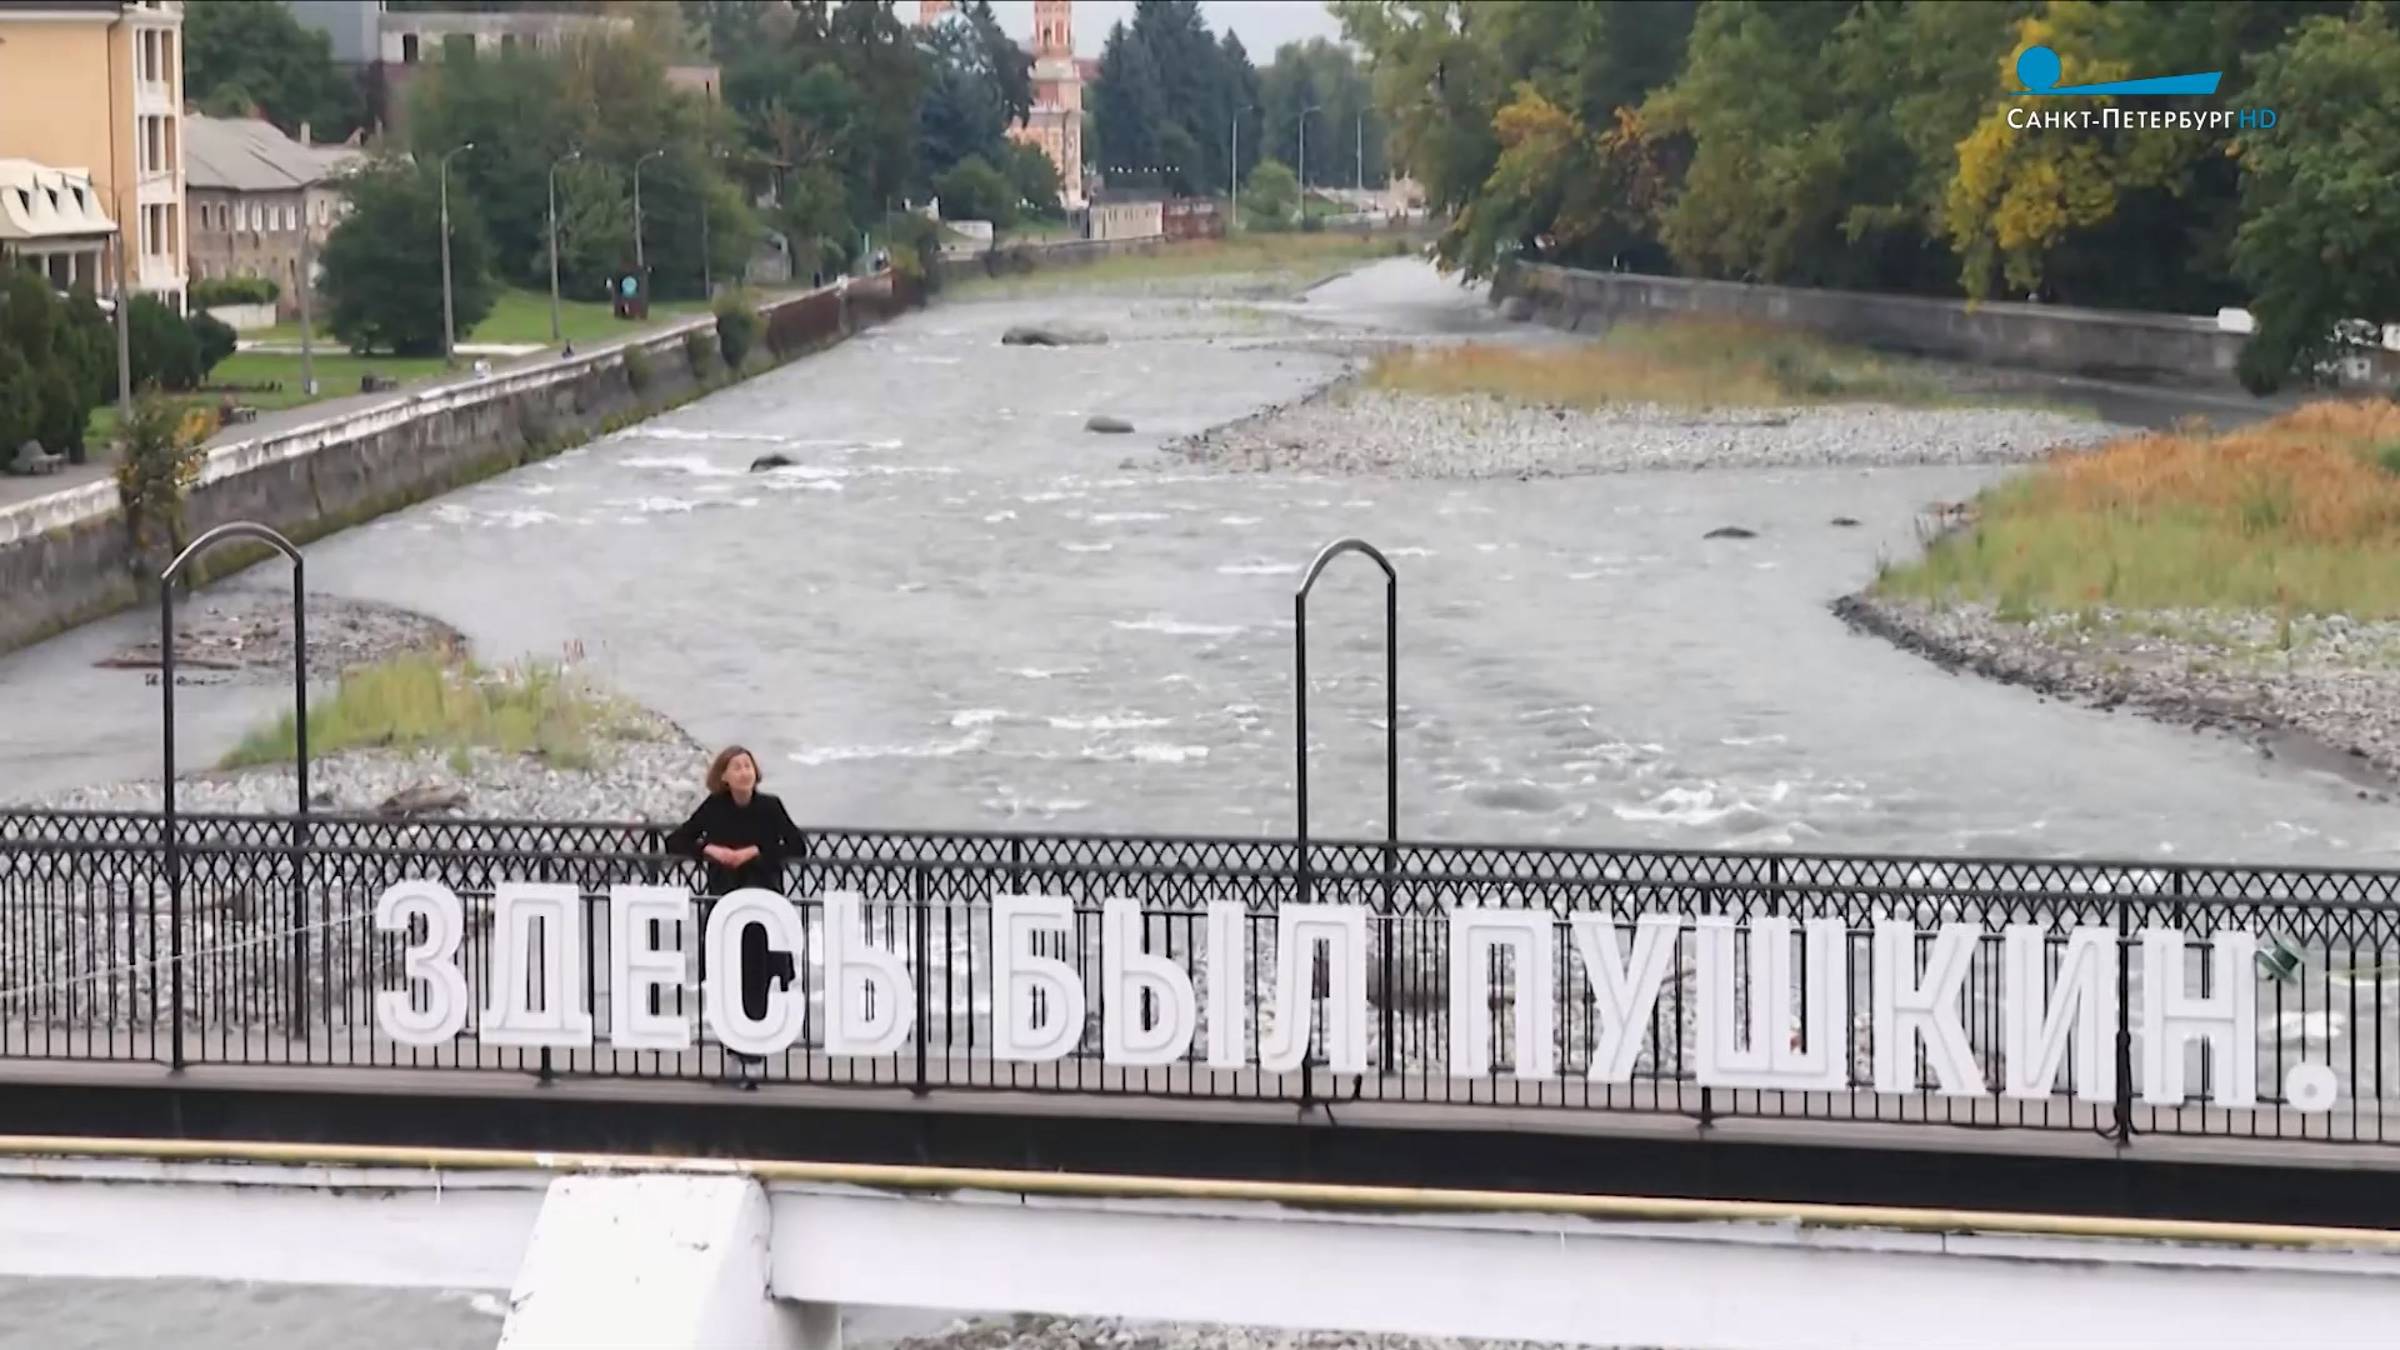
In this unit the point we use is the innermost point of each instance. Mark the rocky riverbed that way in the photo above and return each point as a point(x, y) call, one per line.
point(2325, 690)
point(1351, 429)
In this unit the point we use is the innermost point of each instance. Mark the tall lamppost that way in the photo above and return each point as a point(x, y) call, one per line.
point(449, 322)
point(1304, 112)
point(1233, 164)
point(124, 332)
point(1361, 184)
point(639, 265)
point(556, 334)
point(708, 279)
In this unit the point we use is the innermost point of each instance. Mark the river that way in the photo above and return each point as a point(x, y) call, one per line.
point(960, 609)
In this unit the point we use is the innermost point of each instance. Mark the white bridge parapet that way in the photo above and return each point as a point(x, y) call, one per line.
point(659, 1253)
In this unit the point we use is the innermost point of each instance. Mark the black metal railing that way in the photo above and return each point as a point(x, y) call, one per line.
point(88, 969)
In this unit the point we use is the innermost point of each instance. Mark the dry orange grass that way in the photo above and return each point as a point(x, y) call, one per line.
point(1687, 361)
point(2300, 514)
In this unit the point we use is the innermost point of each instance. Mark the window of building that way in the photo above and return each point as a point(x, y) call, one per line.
point(458, 46)
point(408, 49)
point(508, 43)
point(167, 53)
point(172, 217)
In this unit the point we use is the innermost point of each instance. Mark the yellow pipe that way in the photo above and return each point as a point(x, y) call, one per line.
point(1304, 1195)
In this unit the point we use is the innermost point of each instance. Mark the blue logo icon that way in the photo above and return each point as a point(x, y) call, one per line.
point(2038, 69)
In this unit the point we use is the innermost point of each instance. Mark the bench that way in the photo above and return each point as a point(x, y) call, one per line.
point(241, 413)
point(376, 384)
point(30, 461)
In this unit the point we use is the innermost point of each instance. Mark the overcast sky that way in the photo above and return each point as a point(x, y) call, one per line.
point(1263, 25)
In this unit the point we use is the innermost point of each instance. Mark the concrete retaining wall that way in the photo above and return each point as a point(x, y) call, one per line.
point(67, 558)
point(1024, 258)
point(2106, 344)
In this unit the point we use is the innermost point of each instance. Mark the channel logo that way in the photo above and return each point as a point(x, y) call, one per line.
point(2038, 70)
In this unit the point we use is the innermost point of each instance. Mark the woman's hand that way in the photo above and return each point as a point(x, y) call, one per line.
point(729, 857)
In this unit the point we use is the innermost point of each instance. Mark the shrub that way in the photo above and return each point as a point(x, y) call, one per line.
point(214, 341)
point(158, 467)
point(637, 367)
point(738, 327)
point(165, 351)
point(234, 291)
point(701, 352)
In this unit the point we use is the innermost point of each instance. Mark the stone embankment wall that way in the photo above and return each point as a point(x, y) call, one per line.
point(1022, 258)
point(2105, 344)
point(67, 558)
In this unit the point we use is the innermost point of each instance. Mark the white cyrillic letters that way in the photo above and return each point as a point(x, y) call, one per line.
point(1909, 1010)
point(635, 968)
point(1126, 974)
point(2037, 1032)
point(870, 1005)
point(431, 964)
point(773, 1033)
point(1228, 1021)
point(1625, 990)
point(1342, 929)
point(1017, 973)
point(1475, 934)
point(2227, 1022)
point(1813, 1061)
point(535, 996)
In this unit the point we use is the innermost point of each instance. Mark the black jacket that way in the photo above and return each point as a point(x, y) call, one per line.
point(761, 823)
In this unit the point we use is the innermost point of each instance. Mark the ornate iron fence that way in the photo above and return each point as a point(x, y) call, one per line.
point(264, 950)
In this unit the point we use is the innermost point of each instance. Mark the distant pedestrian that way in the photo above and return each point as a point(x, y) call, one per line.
point(745, 837)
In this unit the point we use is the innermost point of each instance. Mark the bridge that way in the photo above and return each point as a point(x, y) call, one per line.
point(1769, 1071)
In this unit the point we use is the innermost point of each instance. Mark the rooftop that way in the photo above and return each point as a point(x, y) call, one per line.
point(240, 154)
point(40, 202)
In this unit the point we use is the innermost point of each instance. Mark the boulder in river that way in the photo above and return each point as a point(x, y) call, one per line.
point(1730, 532)
point(1052, 335)
point(424, 800)
point(1846, 522)
point(777, 460)
point(1113, 426)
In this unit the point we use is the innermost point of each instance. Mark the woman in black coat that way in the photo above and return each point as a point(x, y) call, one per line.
point(745, 837)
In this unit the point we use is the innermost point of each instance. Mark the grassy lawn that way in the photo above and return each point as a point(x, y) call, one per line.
point(517, 317)
point(1300, 259)
point(2297, 516)
point(522, 316)
point(421, 701)
point(1695, 362)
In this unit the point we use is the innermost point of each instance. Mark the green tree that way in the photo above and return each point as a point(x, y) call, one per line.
point(1440, 80)
point(161, 348)
point(974, 190)
point(1272, 192)
point(595, 227)
point(1164, 101)
point(964, 111)
point(20, 401)
point(213, 340)
point(2319, 245)
point(383, 277)
point(1034, 179)
point(239, 54)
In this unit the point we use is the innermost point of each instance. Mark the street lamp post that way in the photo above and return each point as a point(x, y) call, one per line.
point(639, 263)
point(1304, 112)
point(1361, 184)
point(556, 333)
point(708, 277)
point(124, 331)
point(1233, 165)
point(449, 321)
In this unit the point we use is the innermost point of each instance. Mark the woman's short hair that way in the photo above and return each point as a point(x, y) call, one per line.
point(725, 757)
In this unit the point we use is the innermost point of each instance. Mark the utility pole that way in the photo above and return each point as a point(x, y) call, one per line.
point(449, 322)
point(556, 334)
point(639, 264)
point(1304, 112)
point(308, 266)
point(1233, 166)
point(1361, 184)
point(124, 341)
